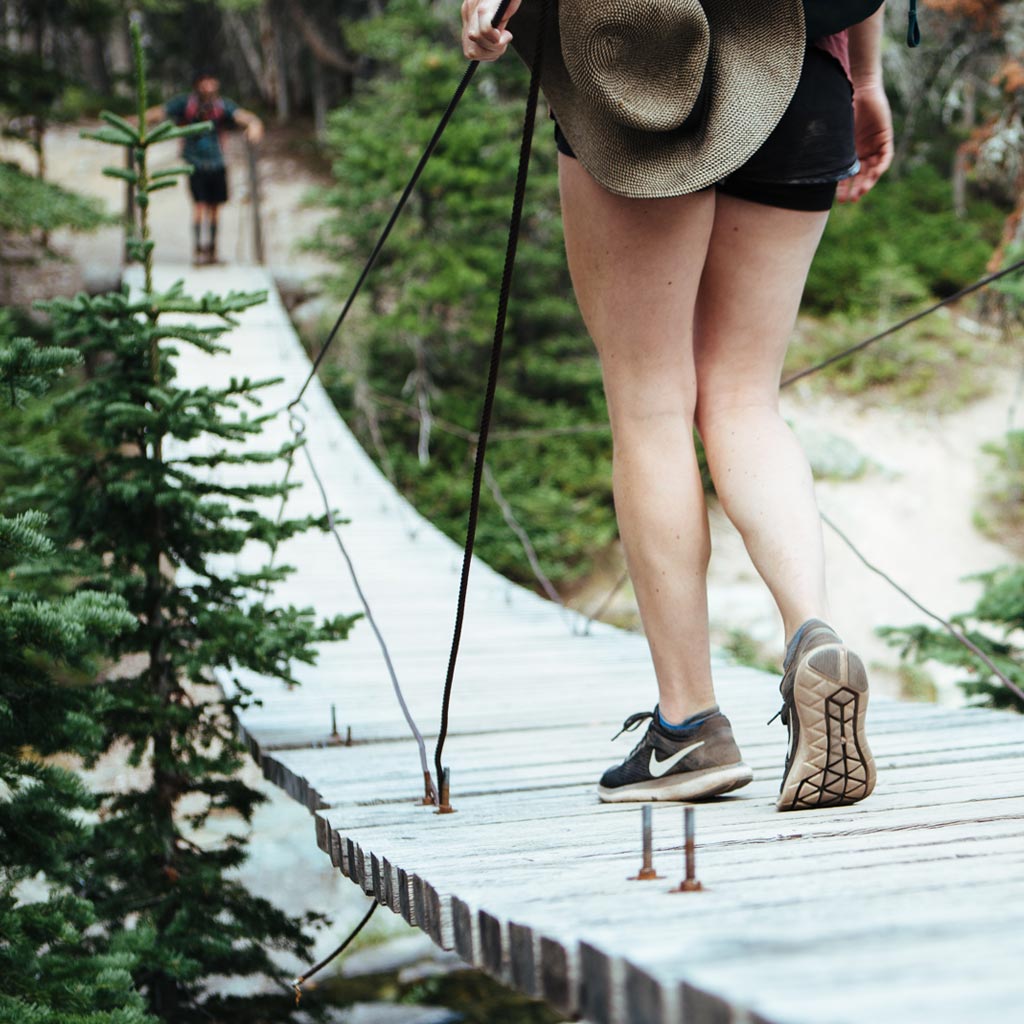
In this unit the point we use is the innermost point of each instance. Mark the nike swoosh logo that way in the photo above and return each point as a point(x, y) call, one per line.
point(658, 768)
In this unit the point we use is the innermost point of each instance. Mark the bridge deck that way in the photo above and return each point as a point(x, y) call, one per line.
point(905, 908)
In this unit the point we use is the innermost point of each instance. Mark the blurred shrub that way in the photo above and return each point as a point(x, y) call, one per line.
point(899, 244)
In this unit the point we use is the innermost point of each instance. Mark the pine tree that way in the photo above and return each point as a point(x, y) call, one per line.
point(157, 523)
point(50, 973)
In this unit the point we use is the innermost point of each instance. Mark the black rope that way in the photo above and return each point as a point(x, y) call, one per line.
point(298, 982)
point(467, 77)
point(424, 159)
point(492, 379)
point(847, 352)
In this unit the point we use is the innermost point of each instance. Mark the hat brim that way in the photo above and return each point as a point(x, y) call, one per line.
point(757, 52)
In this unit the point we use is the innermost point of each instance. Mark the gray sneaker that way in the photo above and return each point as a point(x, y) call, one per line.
point(824, 703)
point(702, 762)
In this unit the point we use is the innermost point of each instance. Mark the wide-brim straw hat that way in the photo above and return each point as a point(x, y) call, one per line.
point(665, 97)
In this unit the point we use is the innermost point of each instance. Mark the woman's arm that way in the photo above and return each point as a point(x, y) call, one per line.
point(871, 114)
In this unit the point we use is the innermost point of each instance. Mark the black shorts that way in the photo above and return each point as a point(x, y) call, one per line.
point(209, 187)
point(810, 151)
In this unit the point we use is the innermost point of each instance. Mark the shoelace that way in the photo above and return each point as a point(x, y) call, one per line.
point(632, 722)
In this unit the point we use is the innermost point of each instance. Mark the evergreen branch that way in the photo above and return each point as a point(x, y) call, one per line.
point(119, 123)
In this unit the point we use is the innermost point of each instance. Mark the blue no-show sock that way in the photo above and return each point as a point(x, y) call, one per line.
point(690, 724)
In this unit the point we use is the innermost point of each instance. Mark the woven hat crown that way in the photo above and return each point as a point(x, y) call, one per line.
point(642, 63)
point(663, 97)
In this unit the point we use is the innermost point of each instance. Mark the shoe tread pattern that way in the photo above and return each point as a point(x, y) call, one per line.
point(833, 765)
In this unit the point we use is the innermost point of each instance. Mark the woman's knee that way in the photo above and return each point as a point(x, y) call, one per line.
point(643, 416)
point(720, 414)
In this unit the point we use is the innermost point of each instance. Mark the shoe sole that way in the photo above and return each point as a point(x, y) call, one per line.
point(698, 785)
point(832, 764)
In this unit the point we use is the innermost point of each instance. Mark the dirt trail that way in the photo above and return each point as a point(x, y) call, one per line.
point(911, 513)
point(78, 164)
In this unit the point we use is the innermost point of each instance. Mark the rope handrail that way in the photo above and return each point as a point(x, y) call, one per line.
point(524, 539)
point(460, 91)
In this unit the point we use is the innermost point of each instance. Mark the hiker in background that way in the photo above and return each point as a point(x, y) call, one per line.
point(208, 181)
point(701, 145)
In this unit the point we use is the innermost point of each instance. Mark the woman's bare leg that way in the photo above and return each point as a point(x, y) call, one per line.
point(636, 266)
point(754, 275)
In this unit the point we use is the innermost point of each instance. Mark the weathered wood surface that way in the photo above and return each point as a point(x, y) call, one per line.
point(905, 908)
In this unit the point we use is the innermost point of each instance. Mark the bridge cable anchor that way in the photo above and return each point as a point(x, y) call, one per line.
point(445, 807)
point(647, 872)
point(689, 882)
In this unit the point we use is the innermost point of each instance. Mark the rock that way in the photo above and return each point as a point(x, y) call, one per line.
point(296, 284)
point(831, 456)
point(442, 963)
point(309, 316)
point(98, 279)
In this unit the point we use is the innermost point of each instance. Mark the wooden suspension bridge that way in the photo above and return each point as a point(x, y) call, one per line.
point(908, 907)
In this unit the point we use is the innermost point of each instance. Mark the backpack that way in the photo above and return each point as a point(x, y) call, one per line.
point(214, 114)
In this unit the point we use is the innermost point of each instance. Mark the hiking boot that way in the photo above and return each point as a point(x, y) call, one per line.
point(824, 703)
point(199, 258)
point(701, 762)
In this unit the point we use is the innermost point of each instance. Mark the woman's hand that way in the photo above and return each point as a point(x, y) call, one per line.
point(872, 127)
point(479, 40)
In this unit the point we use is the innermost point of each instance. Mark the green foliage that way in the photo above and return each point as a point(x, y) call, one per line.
point(1002, 514)
point(162, 528)
point(433, 295)
point(743, 649)
point(931, 363)
point(28, 204)
point(898, 245)
point(52, 967)
point(995, 625)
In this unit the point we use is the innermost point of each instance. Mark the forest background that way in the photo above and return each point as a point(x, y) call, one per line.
point(409, 370)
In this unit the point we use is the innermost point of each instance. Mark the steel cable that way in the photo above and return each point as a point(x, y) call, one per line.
point(960, 638)
point(919, 315)
point(299, 429)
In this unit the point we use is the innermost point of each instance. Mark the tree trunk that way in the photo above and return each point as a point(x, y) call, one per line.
point(271, 37)
point(249, 51)
point(319, 101)
point(960, 182)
